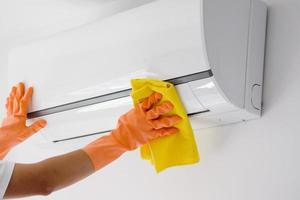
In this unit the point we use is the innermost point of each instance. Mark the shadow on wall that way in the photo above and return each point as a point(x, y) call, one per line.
point(213, 140)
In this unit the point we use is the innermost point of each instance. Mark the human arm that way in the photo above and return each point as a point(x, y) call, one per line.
point(135, 128)
point(42, 178)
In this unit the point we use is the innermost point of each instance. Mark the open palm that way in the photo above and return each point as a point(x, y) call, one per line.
point(14, 129)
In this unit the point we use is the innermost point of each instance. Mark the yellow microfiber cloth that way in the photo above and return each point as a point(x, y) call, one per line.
point(174, 150)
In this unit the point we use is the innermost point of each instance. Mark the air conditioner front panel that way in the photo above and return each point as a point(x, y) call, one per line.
point(203, 102)
point(102, 117)
point(162, 39)
point(211, 49)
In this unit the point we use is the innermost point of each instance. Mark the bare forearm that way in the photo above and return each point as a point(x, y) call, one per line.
point(49, 175)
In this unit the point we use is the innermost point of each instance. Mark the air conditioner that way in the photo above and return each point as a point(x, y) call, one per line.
point(212, 50)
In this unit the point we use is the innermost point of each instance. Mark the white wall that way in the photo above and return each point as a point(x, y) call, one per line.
point(253, 160)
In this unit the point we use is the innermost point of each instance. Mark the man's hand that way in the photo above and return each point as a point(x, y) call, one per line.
point(14, 129)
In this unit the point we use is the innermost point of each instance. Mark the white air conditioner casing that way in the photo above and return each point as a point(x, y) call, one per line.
point(213, 50)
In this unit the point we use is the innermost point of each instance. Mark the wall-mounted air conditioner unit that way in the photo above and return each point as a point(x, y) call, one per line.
point(212, 50)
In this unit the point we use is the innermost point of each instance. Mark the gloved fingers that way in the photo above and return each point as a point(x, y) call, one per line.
point(165, 132)
point(16, 107)
point(23, 107)
point(165, 122)
point(27, 97)
point(159, 110)
point(147, 103)
point(24, 102)
point(20, 91)
point(13, 91)
point(35, 127)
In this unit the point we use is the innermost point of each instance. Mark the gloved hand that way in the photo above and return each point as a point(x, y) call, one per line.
point(135, 128)
point(14, 129)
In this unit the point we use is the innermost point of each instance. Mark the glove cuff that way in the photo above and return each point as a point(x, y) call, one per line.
point(103, 151)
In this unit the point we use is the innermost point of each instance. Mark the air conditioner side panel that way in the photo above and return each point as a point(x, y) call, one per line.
point(255, 61)
point(226, 27)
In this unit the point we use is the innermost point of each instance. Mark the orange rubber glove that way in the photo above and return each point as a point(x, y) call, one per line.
point(135, 128)
point(14, 129)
